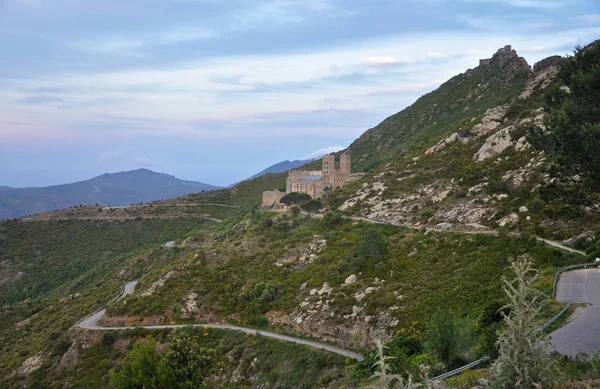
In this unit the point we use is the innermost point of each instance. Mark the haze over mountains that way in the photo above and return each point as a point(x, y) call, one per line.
point(115, 189)
point(282, 167)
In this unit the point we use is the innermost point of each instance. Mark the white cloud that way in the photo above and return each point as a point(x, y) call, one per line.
point(540, 4)
point(275, 13)
point(167, 101)
point(321, 152)
point(588, 19)
point(381, 61)
point(144, 161)
point(122, 158)
point(109, 46)
point(186, 34)
point(137, 46)
point(109, 157)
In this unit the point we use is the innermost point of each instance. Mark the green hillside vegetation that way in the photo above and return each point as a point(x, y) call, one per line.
point(40, 256)
point(434, 297)
point(440, 112)
point(246, 193)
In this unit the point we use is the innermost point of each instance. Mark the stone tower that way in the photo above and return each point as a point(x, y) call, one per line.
point(329, 165)
point(345, 165)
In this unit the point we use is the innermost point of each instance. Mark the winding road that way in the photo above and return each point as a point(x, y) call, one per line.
point(91, 323)
point(582, 333)
point(549, 242)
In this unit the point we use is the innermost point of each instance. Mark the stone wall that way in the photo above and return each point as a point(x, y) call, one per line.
point(271, 198)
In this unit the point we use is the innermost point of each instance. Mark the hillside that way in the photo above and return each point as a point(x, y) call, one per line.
point(115, 189)
point(456, 186)
point(464, 96)
point(483, 173)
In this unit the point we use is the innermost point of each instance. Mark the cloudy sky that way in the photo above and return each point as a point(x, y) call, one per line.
point(216, 90)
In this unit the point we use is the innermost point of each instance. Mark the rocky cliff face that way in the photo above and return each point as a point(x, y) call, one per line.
point(506, 64)
point(463, 97)
point(472, 178)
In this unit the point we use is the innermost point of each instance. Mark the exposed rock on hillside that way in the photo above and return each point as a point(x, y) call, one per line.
point(508, 64)
point(445, 142)
point(495, 144)
point(31, 364)
point(491, 121)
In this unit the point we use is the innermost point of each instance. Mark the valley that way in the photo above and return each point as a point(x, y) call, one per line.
point(415, 252)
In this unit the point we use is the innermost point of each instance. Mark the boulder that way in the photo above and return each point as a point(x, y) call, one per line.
point(350, 279)
point(494, 145)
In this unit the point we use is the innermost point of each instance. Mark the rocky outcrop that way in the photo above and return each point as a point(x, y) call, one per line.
point(586, 236)
point(544, 73)
point(319, 315)
point(507, 64)
point(495, 144)
point(490, 121)
point(553, 61)
point(190, 306)
point(158, 284)
point(31, 364)
point(306, 255)
point(445, 142)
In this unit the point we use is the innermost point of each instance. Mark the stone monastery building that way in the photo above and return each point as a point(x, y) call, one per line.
point(314, 182)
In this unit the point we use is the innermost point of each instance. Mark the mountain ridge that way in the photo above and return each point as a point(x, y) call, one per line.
point(281, 167)
point(121, 188)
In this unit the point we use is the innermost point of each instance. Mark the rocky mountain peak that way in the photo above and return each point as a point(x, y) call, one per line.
point(507, 63)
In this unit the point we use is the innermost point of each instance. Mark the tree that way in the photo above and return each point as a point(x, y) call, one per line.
point(295, 198)
point(189, 361)
point(370, 249)
point(522, 361)
point(144, 367)
point(573, 114)
point(312, 206)
point(444, 336)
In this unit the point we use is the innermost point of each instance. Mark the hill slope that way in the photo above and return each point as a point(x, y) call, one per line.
point(116, 189)
point(458, 164)
point(462, 97)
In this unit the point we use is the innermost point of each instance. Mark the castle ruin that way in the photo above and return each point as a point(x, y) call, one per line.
point(505, 49)
point(315, 182)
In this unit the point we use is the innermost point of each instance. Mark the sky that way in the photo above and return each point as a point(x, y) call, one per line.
point(217, 90)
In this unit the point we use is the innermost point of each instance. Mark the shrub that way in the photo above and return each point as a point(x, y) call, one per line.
point(522, 360)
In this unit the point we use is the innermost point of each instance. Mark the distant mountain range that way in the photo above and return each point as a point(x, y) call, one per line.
point(5, 188)
point(281, 167)
point(115, 189)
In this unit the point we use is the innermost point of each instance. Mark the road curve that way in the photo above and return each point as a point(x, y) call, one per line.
point(549, 242)
point(582, 333)
point(561, 246)
point(91, 323)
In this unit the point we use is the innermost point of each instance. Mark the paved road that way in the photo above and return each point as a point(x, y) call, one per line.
point(91, 323)
point(552, 243)
point(561, 246)
point(582, 333)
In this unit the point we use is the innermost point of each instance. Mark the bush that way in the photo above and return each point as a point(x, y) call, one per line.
point(295, 198)
point(522, 360)
point(312, 206)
